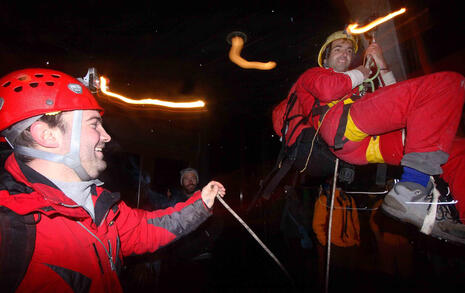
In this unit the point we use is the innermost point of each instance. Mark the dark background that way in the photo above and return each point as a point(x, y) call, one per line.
point(178, 51)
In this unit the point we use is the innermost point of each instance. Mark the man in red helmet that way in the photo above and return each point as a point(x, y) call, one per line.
point(60, 230)
point(369, 129)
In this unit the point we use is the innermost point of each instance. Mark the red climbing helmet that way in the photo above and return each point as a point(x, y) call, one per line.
point(30, 92)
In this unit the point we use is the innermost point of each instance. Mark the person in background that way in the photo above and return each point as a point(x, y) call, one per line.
point(189, 179)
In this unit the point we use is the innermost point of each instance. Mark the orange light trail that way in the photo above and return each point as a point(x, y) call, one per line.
point(354, 29)
point(155, 102)
point(237, 43)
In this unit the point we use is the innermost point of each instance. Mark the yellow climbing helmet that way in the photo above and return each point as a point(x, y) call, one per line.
point(335, 36)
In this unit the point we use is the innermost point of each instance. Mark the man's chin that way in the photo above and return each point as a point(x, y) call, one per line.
point(98, 170)
point(190, 190)
point(340, 68)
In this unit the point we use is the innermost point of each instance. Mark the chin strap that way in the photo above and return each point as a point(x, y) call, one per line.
point(71, 159)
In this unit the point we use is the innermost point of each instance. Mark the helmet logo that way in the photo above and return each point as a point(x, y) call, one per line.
point(1, 102)
point(75, 88)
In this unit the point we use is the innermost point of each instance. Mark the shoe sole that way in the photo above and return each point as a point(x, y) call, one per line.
point(436, 233)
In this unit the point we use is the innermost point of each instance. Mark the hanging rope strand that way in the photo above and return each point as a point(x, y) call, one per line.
point(255, 237)
point(328, 255)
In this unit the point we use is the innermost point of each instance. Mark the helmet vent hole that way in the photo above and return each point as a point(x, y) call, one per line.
point(38, 75)
point(33, 84)
point(55, 76)
point(23, 78)
point(49, 83)
point(6, 84)
point(18, 89)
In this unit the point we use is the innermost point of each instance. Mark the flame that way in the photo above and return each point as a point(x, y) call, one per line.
point(155, 102)
point(237, 43)
point(354, 29)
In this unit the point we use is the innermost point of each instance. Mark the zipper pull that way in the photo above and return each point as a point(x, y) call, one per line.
point(110, 257)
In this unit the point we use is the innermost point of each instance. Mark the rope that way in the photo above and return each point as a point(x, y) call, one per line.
point(370, 81)
point(367, 192)
point(255, 237)
point(328, 255)
point(322, 202)
point(314, 136)
point(313, 142)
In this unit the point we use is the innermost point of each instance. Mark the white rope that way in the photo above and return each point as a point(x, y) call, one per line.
point(366, 192)
point(431, 203)
point(328, 255)
point(254, 236)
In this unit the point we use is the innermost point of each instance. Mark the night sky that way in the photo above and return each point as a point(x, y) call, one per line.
point(179, 51)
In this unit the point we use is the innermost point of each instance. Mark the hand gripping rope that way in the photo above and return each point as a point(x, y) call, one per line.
point(256, 237)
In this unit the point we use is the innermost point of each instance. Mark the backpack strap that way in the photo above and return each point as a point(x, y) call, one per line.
point(317, 109)
point(280, 170)
point(341, 128)
point(287, 155)
point(320, 110)
point(287, 119)
point(17, 241)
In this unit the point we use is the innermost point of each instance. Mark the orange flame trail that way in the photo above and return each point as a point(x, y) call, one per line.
point(354, 29)
point(237, 43)
point(154, 102)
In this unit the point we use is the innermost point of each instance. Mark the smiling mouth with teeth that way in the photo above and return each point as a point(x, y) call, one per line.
point(98, 149)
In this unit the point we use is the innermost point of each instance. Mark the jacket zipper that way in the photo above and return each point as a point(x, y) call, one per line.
point(110, 258)
point(111, 253)
point(118, 246)
point(98, 258)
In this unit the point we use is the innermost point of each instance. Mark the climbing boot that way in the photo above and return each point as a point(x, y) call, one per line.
point(410, 202)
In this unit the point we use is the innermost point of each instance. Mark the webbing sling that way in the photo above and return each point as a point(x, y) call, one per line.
point(283, 169)
point(341, 128)
point(287, 155)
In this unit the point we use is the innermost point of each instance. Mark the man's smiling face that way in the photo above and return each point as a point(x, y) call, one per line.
point(92, 141)
point(340, 56)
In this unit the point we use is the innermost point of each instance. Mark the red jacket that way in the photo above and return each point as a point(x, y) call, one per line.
point(324, 84)
point(329, 87)
point(72, 253)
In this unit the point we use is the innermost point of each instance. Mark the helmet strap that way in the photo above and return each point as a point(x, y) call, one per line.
point(326, 53)
point(71, 159)
point(12, 132)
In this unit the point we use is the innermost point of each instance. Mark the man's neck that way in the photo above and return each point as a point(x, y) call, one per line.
point(337, 70)
point(188, 195)
point(54, 171)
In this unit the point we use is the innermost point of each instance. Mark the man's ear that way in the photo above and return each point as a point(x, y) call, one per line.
point(44, 135)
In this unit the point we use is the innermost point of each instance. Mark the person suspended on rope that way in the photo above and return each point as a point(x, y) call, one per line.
point(369, 128)
point(60, 230)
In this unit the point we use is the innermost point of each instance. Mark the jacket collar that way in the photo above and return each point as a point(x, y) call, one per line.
point(37, 193)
